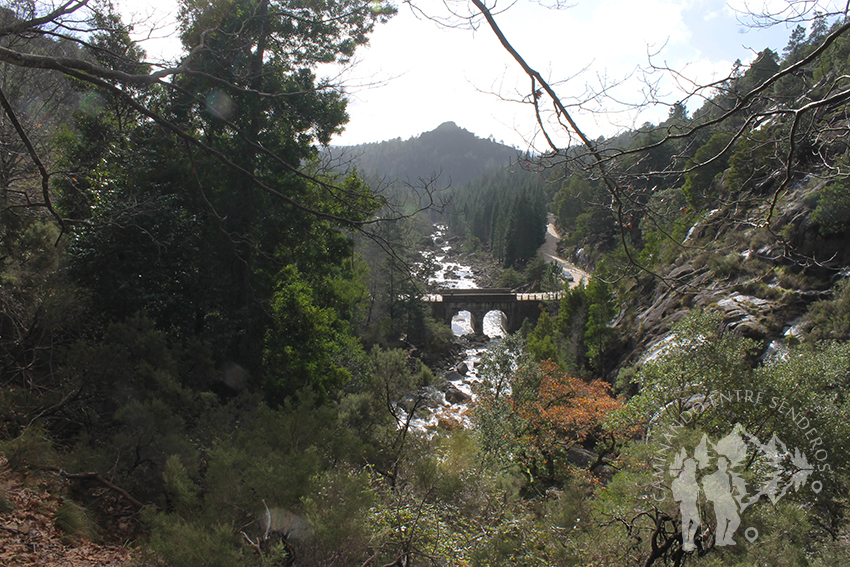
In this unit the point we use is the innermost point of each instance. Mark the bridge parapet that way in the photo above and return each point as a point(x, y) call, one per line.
point(483, 295)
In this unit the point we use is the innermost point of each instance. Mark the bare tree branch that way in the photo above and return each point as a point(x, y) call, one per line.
point(45, 176)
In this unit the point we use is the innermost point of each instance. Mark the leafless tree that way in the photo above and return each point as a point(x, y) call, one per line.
point(750, 111)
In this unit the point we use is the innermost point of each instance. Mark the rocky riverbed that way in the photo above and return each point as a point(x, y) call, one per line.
point(446, 404)
point(459, 269)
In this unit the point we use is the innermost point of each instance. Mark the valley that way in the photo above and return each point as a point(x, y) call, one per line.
point(225, 342)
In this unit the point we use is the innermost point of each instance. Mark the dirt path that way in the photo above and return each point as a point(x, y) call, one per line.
point(550, 251)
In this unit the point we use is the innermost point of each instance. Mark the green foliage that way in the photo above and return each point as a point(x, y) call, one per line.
point(307, 345)
point(74, 521)
point(699, 183)
point(247, 468)
point(541, 275)
point(135, 363)
point(571, 201)
point(183, 492)
point(664, 232)
point(579, 338)
point(829, 319)
point(541, 341)
point(438, 335)
point(833, 209)
point(181, 543)
point(804, 384)
point(753, 159)
point(32, 448)
point(697, 359)
point(583, 211)
point(504, 367)
point(396, 314)
point(506, 209)
point(39, 308)
point(510, 278)
point(340, 511)
point(372, 409)
point(597, 332)
point(190, 296)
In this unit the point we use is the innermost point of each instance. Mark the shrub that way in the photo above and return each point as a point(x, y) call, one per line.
point(832, 212)
point(73, 520)
point(339, 514)
point(830, 319)
point(181, 543)
point(437, 335)
point(32, 448)
point(510, 278)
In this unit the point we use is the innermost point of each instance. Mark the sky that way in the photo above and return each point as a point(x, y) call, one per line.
point(416, 74)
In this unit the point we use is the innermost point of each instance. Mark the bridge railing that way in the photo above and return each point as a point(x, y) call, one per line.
point(543, 296)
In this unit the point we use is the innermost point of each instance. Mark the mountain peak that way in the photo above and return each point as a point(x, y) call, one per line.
point(450, 125)
point(454, 153)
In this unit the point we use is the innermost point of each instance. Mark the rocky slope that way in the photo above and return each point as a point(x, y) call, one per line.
point(762, 286)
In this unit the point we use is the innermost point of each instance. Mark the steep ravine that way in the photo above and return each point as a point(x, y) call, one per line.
point(446, 404)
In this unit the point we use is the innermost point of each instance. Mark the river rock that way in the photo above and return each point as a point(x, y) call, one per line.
point(462, 368)
point(479, 340)
point(448, 424)
point(429, 398)
point(451, 377)
point(456, 396)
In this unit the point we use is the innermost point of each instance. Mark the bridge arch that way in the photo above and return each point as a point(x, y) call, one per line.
point(496, 323)
point(463, 323)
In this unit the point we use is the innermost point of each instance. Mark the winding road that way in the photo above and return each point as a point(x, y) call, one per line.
point(549, 249)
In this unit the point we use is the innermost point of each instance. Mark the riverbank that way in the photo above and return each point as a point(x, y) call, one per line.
point(457, 268)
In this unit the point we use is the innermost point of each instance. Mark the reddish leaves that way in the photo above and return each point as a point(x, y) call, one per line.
point(566, 410)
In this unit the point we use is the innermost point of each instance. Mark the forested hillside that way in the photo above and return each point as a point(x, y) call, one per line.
point(213, 344)
point(481, 189)
point(449, 154)
point(503, 210)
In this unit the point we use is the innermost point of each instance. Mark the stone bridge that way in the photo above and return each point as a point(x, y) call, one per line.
point(516, 307)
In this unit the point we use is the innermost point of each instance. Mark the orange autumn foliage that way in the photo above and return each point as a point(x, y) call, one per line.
point(566, 410)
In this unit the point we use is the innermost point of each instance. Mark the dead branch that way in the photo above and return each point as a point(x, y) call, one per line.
point(98, 478)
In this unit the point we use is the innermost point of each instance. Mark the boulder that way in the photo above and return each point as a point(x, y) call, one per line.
point(462, 368)
point(451, 377)
point(456, 396)
point(742, 313)
point(429, 398)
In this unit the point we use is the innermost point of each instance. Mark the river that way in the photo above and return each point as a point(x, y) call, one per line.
point(458, 382)
point(454, 275)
